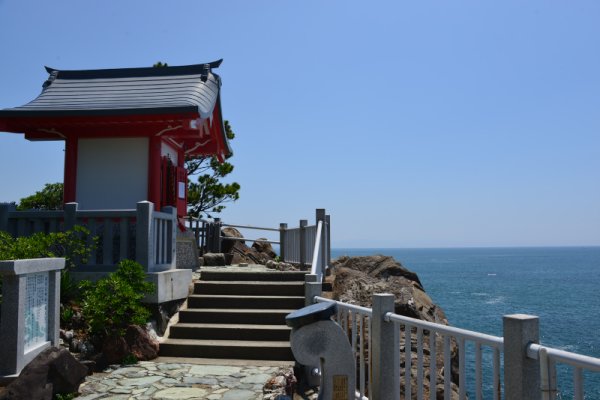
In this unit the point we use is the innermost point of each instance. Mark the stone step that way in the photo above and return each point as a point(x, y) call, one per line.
point(250, 332)
point(240, 301)
point(234, 316)
point(259, 288)
point(278, 276)
point(227, 349)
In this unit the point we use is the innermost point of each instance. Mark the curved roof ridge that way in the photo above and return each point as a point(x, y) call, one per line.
point(194, 69)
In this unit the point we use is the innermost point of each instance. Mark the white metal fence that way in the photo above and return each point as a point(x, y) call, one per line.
point(392, 350)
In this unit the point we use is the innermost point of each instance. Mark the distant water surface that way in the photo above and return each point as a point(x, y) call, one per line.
point(477, 286)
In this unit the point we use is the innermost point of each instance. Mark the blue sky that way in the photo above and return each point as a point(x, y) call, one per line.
point(415, 124)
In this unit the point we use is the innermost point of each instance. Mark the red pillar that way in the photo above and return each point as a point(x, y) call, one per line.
point(70, 177)
point(154, 172)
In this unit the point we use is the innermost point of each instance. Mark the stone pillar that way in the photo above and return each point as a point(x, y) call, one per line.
point(385, 344)
point(144, 246)
point(521, 374)
point(71, 216)
point(15, 352)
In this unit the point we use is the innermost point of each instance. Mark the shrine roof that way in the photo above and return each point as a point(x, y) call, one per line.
point(127, 91)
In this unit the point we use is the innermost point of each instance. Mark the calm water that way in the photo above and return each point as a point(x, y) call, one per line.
point(476, 286)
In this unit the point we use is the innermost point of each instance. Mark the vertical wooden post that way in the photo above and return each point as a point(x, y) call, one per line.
point(70, 173)
point(521, 374)
point(282, 236)
point(154, 172)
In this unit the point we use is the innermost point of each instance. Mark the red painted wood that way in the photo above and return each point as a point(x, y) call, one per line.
point(70, 173)
point(154, 191)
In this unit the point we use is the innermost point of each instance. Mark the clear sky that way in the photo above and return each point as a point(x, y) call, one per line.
point(415, 124)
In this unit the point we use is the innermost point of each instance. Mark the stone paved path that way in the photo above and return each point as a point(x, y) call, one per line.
point(163, 381)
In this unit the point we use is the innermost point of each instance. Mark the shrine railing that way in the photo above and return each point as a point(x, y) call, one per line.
point(305, 245)
point(140, 234)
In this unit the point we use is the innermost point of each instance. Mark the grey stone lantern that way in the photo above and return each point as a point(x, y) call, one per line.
point(317, 340)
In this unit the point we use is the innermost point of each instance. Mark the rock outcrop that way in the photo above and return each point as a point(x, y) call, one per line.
point(54, 371)
point(259, 253)
point(356, 279)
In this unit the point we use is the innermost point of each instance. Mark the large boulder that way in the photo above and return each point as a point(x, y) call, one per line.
point(214, 259)
point(141, 344)
point(137, 342)
point(264, 247)
point(356, 279)
point(54, 371)
point(260, 253)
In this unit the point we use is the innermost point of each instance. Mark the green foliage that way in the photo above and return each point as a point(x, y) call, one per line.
point(49, 198)
point(65, 396)
point(160, 65)
point(129, 359)
point(66, 314)
point(113, 303)
point(208, 193)
point(72, 245)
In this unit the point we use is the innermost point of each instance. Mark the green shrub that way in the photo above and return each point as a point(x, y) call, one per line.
point(67, 396)
point(130, 359)
point(113, 303)
point(72, 245)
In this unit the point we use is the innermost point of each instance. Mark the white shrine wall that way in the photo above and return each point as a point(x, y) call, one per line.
point(112, 173)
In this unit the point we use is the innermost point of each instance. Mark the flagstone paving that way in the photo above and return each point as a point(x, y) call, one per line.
point(165, 381)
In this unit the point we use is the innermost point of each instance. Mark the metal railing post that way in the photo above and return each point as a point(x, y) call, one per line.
point(321, 216)
point(328, 246)
point(71, 216)
point(302, 232)
point(282, 235)
point(521, 374)
point(385, 344)
point(312, 288)
point(144, 237)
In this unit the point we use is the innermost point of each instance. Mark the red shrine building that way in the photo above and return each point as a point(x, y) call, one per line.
point(127, 132)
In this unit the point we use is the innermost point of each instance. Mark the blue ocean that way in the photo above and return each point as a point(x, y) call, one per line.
point(477, 286)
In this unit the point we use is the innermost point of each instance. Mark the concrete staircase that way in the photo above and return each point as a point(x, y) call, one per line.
point(237, 315)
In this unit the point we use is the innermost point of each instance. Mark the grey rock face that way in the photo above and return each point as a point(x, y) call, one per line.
point(356, 279)
point(53, 371)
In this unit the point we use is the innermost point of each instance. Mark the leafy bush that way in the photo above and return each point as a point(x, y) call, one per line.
point(113, 303)
point(72, 245)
